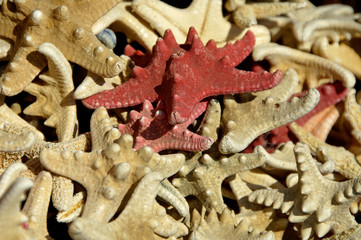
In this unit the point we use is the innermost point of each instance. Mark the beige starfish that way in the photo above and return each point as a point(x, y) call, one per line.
point(311, 69)
point(316, 212)
point(246, 15)
point(225, 227)
point(261, 112)
point(30, 222)
point(351, 115)
point(206, 179)
point(108, 173)
point(122, 19)
point(12, 142)
point(340, 53)
point(205, 15)
point(344, 161)
point(64, 26)
point(141, 217)
point(54, 100)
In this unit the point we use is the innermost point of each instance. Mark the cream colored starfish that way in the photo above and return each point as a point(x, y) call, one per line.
point(122, 19)
point(205, 15)
point(30, 222)
point(141, 217)
point(108, 173)
point(225, 227)
point(54, 100)
point(344, 161)
point(316, 212)
point(5, 48)
point(265, 110)
point(246, 15)
point(206, 179)
point(352, 114)
point(340, 53)
point(311, 69)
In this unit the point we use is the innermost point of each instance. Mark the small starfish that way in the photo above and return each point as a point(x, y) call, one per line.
point(62, 25)
point(150, 127)
point(182, 76)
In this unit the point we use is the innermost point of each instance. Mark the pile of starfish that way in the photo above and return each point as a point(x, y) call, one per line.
point(145, 119)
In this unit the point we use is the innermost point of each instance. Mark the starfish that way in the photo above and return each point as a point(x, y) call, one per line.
point(64, 26)
point(182, 76)
point(330, 94)
point(205, 15)
point(150, 127)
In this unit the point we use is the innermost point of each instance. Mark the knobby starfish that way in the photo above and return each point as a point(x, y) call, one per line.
point(150, 127)
point(183, 75)
point(330, 94)
point(62, 25)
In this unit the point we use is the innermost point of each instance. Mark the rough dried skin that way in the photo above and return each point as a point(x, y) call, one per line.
point(344, 161)
point(163, 77)
point(110, 169)
point(317, 213)
point(211, 121)
point(263, 113)
point(54, 100)
point(5, 48)
point(330, 94)
point(246, 15)
point(12, 142)
point(63, 25)
point(206, 179)
point(150, 127)
point(352, 115)
point(137, 219)
point(205, 15)
point(225, 227)
point(310, 68)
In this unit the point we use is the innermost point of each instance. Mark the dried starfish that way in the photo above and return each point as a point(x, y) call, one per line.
point(246, 15)
point(64, 26)
point(174, 87)
point(340, 53)
point(310, 68)
point(225, 227)
point(267, 112)
point(330, 94)
point(205, 15)
point(30, 222)
point(123, 19)
point(352, 115)
point(54, 95)
point(205, 180)
point(150, 127)
point(109, 172)
point(316, 212)
point(140, 217)
point(12, 142)
point(5, 48)
point(344, 161)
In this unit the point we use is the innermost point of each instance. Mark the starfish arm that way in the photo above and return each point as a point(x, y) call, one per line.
point(123, 20)
point(11, 142)
point(37, 204)
point(13, 81)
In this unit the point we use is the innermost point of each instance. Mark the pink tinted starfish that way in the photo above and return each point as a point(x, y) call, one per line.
point(150, 127)
point(330, 94)
point(183, 75)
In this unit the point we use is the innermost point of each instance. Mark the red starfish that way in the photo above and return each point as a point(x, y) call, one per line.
point(150, 127)
point(183, 75)
point(330, 94)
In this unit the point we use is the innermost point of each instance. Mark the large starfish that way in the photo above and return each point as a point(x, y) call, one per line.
point(60, 23)
point(182, 76)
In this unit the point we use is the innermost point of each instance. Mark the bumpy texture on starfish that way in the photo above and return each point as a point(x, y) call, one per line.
point(317, 212)
point(182, 76)
point(63, 25)
point(150, 128)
